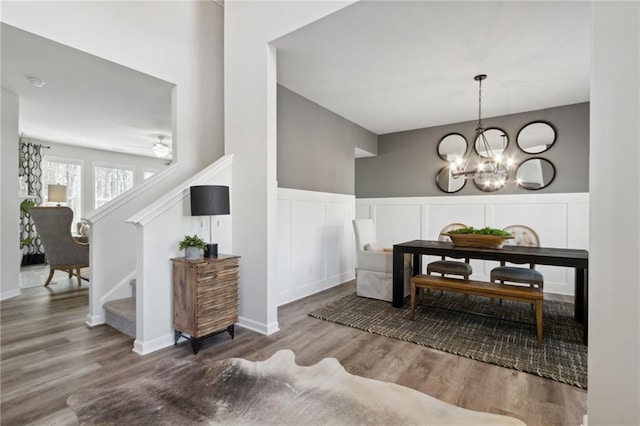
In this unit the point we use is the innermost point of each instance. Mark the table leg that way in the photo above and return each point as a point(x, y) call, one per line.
point(398, 278)
point(417, 264)
point(581, 302)
point(579, 288)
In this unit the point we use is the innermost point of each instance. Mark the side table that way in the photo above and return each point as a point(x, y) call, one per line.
point(205, 297)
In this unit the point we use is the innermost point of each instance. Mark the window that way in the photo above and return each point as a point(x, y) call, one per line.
point(61, 171)
point(147, 174)
point(111, 182)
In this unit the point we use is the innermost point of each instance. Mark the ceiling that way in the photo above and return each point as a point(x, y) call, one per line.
point(391, 66)
point(85, 100)
point(386, 65)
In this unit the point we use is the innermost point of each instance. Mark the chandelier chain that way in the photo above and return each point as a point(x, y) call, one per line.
point(480, 103)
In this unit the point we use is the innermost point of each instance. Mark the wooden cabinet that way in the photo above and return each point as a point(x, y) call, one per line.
point(205, 297)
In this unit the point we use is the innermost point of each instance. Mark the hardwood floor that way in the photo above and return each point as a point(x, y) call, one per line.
point(48, 353)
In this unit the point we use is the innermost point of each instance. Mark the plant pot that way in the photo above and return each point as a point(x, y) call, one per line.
point(192, 253)
point(478, 241)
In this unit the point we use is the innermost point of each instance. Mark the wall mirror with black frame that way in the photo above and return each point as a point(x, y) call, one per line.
point(452, 147)
point(535, 173)
point(536, 137)
point(497, 140)
point(447, 183)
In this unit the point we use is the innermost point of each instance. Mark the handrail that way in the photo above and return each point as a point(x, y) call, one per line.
point(177, 194)
point(122, 199)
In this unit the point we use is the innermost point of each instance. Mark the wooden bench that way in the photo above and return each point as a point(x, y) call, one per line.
point(481, 288)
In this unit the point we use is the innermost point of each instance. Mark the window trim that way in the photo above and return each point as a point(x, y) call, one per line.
point(110, 165)
point(82, 190)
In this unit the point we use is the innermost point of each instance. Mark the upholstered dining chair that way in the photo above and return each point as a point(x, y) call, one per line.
point(374, 273)
point(523, 236)
point(450, 267)
point(63, 252)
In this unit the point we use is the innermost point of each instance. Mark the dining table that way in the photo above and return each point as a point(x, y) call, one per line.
point(567, 257)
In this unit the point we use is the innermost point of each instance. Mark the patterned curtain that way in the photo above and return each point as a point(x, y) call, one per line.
point(30, 172)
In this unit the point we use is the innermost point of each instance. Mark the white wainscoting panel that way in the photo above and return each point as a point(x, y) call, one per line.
point(315, 242)
point(285, 271)
point(560, 220)
point(398, 222)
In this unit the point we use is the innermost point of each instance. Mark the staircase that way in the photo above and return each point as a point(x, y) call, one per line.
point(121, 313)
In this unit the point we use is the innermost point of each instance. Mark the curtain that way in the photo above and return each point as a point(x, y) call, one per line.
point(30, 172)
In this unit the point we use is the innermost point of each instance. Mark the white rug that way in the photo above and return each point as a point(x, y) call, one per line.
point(275, 391)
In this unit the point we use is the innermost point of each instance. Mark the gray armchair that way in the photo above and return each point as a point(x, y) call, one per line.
point(63, 252)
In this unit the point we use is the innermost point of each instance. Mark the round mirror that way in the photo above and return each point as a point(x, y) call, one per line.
point(448, 184)
point(535, 173)
point(536, 137)
point(452, 147)
point(497, 141)
point(489, 182)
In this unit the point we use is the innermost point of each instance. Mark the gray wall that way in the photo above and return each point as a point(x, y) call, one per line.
point(407, 162)
point(316, 146)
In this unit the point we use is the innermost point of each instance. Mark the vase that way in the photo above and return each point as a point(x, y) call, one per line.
point(192, 253)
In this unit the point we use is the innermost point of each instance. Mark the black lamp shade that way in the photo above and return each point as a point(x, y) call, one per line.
point(209, 200)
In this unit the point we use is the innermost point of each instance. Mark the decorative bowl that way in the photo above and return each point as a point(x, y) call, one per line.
point(480, 241)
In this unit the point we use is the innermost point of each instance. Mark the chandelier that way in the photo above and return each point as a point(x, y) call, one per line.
point(493, 168)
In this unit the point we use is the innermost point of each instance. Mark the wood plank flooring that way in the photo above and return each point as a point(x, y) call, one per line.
point(48, 353)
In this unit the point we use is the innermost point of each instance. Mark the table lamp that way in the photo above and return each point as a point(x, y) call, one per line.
point(210, 200)
point(57, 194)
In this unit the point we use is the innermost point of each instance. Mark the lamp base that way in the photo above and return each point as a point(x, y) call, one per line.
point(211, 250)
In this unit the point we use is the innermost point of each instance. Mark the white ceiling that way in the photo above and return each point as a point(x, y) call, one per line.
point(385, 65)
point(86, 100)
point(394, 65)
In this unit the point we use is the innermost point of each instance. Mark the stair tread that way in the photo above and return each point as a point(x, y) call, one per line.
point(124, 307)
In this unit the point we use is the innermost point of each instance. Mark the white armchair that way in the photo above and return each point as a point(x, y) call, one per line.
point(374, 273)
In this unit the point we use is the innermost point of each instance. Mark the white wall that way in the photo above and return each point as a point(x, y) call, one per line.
point(614, 292)
point(560, 220)
point(315, 242)
point(89, 158)
point(250, 134)
point(10, 209)
point(179, 42)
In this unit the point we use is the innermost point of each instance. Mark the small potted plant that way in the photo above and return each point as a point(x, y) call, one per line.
point(192, 246)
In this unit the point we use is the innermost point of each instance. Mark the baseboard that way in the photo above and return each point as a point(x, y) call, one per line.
point(144, 348)
point(259, 327)
point(9, 294)
point(316, 287)
point(93, 320)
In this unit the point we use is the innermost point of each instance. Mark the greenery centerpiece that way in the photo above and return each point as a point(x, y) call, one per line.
point(486, 237)
point(192, 246)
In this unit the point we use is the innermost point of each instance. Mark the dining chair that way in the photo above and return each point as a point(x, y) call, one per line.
point(523, 236)
point(450, 267)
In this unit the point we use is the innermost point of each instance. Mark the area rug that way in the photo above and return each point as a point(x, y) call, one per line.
point(275, 391)
point(481, 332)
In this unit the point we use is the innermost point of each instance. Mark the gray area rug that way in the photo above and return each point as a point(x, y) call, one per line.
point(272, 392)
point(441, 325)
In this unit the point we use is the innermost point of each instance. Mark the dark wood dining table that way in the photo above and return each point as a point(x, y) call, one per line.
point(571, 258)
